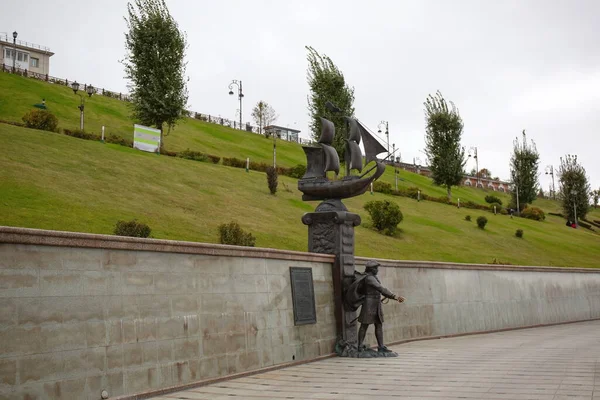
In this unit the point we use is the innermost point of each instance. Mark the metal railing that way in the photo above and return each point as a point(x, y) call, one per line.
point(9, 40)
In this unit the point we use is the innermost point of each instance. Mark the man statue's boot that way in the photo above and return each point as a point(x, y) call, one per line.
point(362, 332)
point(379, 335)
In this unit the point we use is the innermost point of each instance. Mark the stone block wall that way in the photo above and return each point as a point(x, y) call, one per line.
point(83, 313)
point(79, 315)
point(446, 299)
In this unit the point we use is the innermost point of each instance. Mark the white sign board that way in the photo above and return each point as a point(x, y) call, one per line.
point(146, 138)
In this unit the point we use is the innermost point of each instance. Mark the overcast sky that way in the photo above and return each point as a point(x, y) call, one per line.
point(507, 65)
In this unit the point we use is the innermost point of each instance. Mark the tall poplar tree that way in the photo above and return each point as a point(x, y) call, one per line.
point(154, 64)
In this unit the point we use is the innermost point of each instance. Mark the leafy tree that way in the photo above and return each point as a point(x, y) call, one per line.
point(595, 196)
point(574, 188)
point(264, 115)
point(485, 173)
point(524, 164)
point(442, 140)
point(327, 83)
point(155, 65)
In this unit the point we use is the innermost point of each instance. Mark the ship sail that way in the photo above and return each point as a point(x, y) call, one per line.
point(354, 131)
point(332, 160)
point(372, 146)
point(353, 156)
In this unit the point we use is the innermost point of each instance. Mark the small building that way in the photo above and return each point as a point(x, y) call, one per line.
point(289, 134)
point(486, 183)
point(25, 56)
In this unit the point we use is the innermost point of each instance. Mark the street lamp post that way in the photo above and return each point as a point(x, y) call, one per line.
point(387, 134)
point(14, 51)
point(550, 171)
point(240, 95)
point(473, 153)
point(574, 194)
point(395, 166)
point(90, 91)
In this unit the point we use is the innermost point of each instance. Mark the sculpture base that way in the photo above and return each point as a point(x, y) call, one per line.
point(345, 349)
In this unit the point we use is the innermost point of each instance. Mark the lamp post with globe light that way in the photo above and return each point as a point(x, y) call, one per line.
point(14, 51)
point(90, 91)
point(237, 83)
point(387, 133)
point(550, 171)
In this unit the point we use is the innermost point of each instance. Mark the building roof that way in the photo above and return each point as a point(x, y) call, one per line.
point(20, 44)
point(283, 128)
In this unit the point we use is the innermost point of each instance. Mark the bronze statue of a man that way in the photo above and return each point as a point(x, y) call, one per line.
point(371, 311)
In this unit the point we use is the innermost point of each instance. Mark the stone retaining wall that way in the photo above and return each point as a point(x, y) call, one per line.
point(83, 313)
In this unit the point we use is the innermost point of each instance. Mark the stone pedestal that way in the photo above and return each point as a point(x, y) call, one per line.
point(331, 231)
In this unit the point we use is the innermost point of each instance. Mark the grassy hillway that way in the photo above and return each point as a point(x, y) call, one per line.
point(19, 94)
point(52, 181)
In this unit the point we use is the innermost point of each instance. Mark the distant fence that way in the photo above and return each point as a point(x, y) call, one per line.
point(125, 97)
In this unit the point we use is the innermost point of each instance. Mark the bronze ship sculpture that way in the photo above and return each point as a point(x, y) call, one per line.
point(323, 158)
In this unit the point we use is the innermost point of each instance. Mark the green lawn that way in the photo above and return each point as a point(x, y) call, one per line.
point(52, 181)
point(19, 94)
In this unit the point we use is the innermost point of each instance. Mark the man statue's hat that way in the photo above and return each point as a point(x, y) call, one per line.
point(371, 264)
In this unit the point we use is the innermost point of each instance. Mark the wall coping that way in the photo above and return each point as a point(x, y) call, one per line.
point(42, 237)
point(360, 261)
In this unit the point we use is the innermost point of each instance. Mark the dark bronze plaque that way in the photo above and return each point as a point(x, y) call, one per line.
point(303, 296)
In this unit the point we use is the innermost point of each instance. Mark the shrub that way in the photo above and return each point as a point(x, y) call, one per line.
point(132, 228)
point(497, 205)
point(213, 159)
point(467, 218)
point(412, 192)
point(168, 153)
point(519, 233)
point(385, 215)
point(481, 222)
point(41, 119)
point(256, 166)
point(78, 133)
point(234, 162)
point(192, 155)
point(272, 179)
point(503, 211)
point(232, 233)
point(112, 138)
point(492, 199)
point(382, 187)
point(297, 171)
point(534, 213)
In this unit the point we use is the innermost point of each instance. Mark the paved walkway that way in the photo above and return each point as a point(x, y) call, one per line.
point(549, 363)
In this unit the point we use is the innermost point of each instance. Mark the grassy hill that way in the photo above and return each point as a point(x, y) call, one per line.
point(53, 181)
point(19, 94)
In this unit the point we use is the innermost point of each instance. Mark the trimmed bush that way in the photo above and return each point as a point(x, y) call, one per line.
point(272, 179)
point(234, 162)
point(256, 166)
point(534, 213)
point(490, 198)
point(468, 218)
point(385, 215)
point(519, 233)
point(213, 159)
point(132, 228)
point(297, 171)
point(232, 233)
point(192, 155)
point(112, 138)
point(41, 119)
point(412, 192)
point(481, 222)
point(78, 133)
point(497, 205)
point(382, 187)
